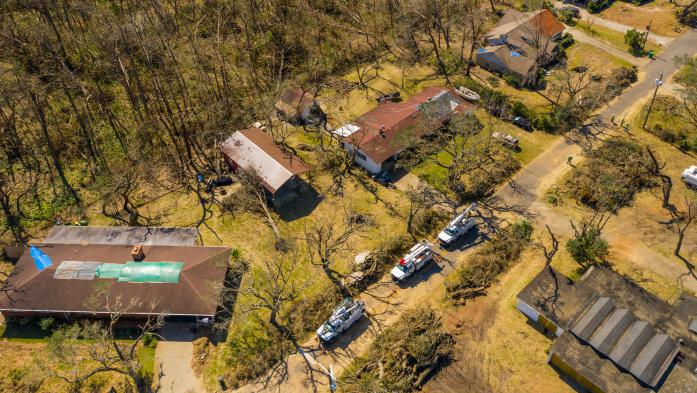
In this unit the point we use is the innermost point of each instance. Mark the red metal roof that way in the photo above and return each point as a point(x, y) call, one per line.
point(389, 128)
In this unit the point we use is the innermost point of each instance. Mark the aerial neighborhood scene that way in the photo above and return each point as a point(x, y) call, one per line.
point(348, 196)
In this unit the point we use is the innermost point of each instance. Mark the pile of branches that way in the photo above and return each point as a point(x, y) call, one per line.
point(612, 175)
point(403, 357)
point(494, 258)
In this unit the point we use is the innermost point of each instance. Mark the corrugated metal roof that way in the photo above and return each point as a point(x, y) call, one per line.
point(630, 343)
point(65, 234)
point(254, 151)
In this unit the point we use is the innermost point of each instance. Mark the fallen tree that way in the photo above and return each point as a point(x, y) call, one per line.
point(403, 357)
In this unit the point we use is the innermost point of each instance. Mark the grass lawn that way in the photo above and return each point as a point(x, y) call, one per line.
point(613, 37)
point(531, 145)
point(661, 12)
point(596, 59)
point(146, 356)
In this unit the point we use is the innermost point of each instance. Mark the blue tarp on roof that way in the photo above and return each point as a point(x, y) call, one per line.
point(41, 260)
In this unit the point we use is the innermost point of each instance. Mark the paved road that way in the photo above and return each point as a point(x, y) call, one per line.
point(581, 36)
point(596, 19)
point(173, 360)
point(385, 301)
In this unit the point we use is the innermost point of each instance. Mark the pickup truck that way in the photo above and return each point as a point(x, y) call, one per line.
point(344, 315)
point(459, 225)
point(417, 257)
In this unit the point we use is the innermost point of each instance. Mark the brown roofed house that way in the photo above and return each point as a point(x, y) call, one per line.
point(169, 280)
point(253, 150)
point(378, 136)
point(612, 335)
point(521, 43)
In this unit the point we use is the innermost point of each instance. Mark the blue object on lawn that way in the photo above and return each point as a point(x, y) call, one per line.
point(199, 177)
point(41, 260)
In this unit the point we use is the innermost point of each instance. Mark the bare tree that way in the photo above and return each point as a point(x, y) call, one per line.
point(682, 221)
point(324, 240)
point(106, 352)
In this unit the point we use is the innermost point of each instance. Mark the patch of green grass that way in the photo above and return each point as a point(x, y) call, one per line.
point(582, 54)
point(146, 356)
point(613, 37)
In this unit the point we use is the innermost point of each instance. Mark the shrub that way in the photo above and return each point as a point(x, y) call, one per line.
point(635, 40)
point(513, 80)
point(588, 247)
point(149, 340)
point(566, 40)
point(46, 324)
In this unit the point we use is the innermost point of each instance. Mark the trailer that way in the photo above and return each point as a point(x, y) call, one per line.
point(458, 226)
point(417, 257)
point(344, 315)
point(689, 176)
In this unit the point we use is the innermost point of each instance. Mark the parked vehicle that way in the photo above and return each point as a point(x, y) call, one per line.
point(522, 122)
point(458, 226)
point(467, 94)
point(507, 140)
point(417, 257)
point(385, 179)
point(689, 176)
point(344, 315)
point(388, 97)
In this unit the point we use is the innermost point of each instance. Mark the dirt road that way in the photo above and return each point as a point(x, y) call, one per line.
point(581, 36)
point(622, 28)
point(385, 301)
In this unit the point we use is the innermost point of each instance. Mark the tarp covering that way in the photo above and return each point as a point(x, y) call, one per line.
point(41, 260)
point(145, 272)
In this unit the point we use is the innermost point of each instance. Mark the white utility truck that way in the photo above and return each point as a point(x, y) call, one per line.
point(416, 258)
point(343, 316)
point(689, 176)
point(459, 225)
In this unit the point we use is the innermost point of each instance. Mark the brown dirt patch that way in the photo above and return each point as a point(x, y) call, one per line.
point(661, 12)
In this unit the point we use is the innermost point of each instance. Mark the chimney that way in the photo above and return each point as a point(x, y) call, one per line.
point(137, 253)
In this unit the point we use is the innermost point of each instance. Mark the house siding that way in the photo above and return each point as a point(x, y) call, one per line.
point(367, 164)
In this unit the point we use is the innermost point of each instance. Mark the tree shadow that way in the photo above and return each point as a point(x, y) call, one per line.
point(300, 206)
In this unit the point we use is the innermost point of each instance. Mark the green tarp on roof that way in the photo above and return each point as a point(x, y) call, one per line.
point(145, 272)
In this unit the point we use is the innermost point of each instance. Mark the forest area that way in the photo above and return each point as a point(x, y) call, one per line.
point(113, 112)
point(106, 104)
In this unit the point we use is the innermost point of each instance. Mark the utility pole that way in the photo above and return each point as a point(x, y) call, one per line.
point(646, 37)
point(659, 82)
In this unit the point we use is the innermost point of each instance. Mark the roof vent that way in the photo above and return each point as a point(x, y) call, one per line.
point(137, 253)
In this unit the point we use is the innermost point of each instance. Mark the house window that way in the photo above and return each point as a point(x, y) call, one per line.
point(361, 156)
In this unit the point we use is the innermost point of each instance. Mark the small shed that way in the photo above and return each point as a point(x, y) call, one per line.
point(254, 150)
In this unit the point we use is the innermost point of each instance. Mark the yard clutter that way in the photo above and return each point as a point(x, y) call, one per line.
point(507, 140)
point(459, 225)
point(689, 176)
point(417, 257)
point(343, 316)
